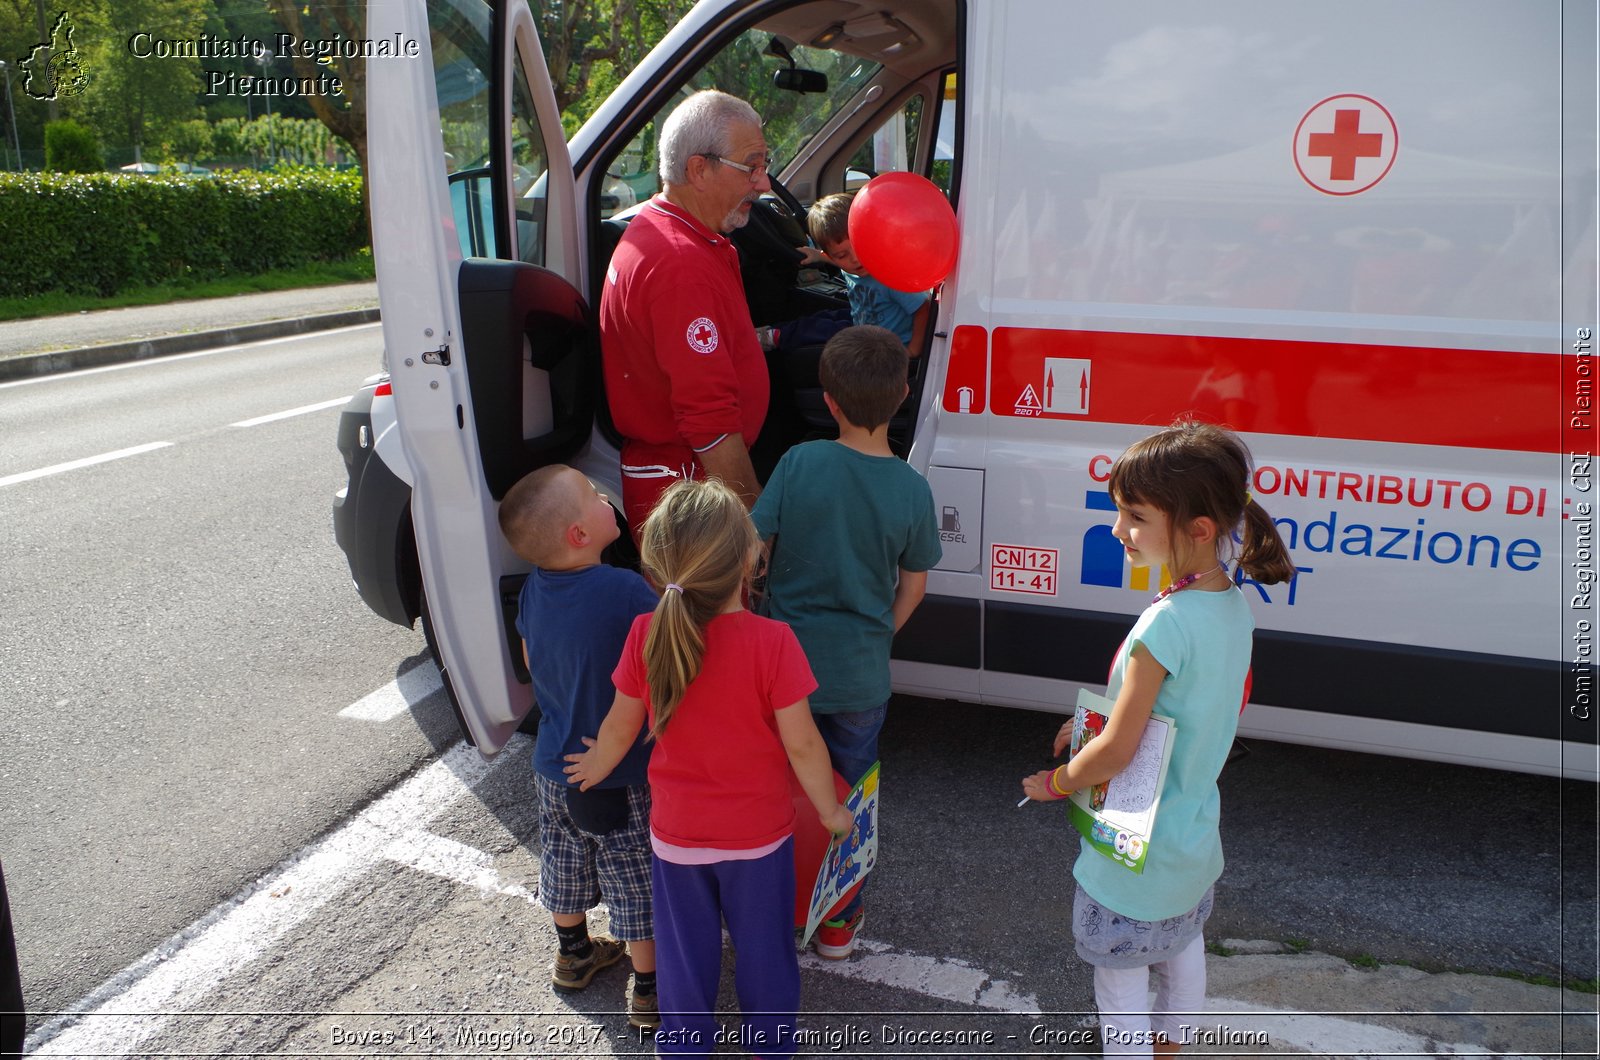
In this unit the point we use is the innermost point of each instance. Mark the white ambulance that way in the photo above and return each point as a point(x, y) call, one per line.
point(1361, 234)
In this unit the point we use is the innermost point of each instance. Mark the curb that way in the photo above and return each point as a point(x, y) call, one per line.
point(29, 365)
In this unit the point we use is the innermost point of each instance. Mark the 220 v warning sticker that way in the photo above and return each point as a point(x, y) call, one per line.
point(1019, 569)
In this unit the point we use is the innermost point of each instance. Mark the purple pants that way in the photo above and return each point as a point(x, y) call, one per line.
point(756, 899)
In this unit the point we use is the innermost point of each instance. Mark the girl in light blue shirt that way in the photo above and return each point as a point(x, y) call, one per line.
point(1180, 495)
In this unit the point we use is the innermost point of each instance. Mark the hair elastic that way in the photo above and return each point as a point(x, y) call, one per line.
point(671, 586)
point(1247, 498)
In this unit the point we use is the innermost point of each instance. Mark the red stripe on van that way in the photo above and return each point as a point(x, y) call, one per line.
point(968, 371)
point(1480, 399)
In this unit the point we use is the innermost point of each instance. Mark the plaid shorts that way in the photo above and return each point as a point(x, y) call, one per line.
point(577, 868)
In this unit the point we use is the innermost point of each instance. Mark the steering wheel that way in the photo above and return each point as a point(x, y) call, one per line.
point(786, 197)
point(769, 233)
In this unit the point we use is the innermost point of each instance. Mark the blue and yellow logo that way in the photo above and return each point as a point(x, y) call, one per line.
point(1104, 562)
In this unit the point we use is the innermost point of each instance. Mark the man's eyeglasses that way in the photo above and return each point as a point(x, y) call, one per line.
point(756, 171)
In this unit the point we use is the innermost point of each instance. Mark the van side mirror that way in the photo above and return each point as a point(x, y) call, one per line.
point(796, 80)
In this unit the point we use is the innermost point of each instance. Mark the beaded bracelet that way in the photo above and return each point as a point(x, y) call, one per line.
point(1051, 784)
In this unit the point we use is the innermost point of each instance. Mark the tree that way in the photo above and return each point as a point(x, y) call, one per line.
point(575, 35)
point(345, 115)
point(72, 148)
point(188, 141)
point(133, 100)
point(591, 45)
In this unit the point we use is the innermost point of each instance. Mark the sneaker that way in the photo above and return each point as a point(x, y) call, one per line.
point(575, 973)
point(836, 939)
point(644, 1011)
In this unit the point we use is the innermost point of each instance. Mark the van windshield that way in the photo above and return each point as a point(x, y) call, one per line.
point(790, 119)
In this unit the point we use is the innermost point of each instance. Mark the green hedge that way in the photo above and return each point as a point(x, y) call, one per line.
point(100, 233)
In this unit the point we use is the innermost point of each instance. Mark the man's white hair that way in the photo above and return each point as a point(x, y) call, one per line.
point(701, 125)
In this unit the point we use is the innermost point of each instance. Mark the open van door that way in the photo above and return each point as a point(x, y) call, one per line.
point(488, 343)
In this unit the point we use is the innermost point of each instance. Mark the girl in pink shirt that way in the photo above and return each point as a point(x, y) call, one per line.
point(724, 692)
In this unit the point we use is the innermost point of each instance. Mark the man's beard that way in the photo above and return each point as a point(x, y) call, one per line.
point(738, 218)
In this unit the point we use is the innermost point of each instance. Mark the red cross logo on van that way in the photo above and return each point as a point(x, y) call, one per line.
point(1345, 144)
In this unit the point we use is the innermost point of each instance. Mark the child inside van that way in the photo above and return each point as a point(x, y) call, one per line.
point(573, 615)
point(724, 692)
point(871, 301)
point(1180, 494)
point(853, 535)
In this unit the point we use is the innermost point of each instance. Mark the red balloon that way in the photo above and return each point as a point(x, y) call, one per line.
point(904, 231)
point(810, 846)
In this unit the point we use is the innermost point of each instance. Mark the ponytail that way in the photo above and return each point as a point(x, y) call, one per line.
point(1264, 556)
point(673, 649)
point(698, 544)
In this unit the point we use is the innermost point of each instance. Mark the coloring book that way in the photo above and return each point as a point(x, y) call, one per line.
point(848, 860)
point(1119, 816)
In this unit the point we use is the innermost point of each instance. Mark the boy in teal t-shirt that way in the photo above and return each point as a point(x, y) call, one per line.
point(853, 535)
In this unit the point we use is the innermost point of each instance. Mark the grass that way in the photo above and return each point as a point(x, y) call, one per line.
point(322, 274)
point(1366, 961)
point(1296, 944)
point(1581, 986)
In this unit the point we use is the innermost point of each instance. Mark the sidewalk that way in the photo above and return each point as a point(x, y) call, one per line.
point(1267, 1000)
point(47, 345)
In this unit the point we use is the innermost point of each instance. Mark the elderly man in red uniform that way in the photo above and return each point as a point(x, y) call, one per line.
point(685, 375)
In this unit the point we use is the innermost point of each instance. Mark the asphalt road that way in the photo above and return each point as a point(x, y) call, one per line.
point(180, 633)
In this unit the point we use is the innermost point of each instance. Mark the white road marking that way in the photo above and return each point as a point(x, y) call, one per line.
point(301, 411)
point(947, 979)
point(88, 461)
point(450, 860)
point(146, 362)
point(1331, 1036)
point(178, 975)
point(396, 697)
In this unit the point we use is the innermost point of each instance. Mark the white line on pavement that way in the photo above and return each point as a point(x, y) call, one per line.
point(73, 465)
point(450, 860)
point(179, 974)
point(146, 362)
point(301, 411)
point(945, 978)
point(396, 697)
point(1329, 1035)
